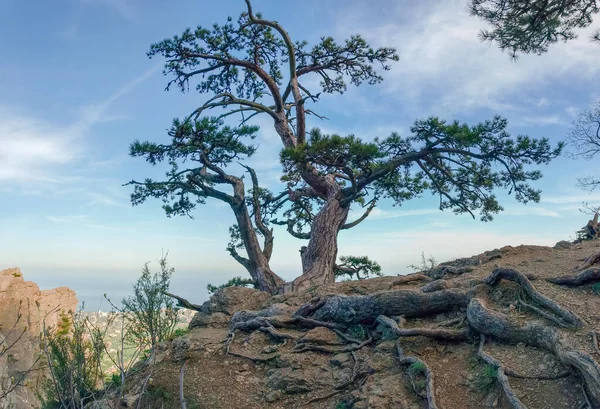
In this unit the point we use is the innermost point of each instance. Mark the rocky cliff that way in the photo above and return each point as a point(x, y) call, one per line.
point(24, 309)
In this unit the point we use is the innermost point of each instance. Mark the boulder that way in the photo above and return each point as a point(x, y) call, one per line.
point(231, 299)
point(215, 320)
point(289, 381)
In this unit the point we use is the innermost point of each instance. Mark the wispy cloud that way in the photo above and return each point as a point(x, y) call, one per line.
point(68, 219)
point(83, 221)
point(445, 68)
point(30, 147)
point(540, 120)
point(531, 211)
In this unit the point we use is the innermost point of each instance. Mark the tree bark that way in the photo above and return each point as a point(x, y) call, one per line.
point(318, 260)
point(257, 263)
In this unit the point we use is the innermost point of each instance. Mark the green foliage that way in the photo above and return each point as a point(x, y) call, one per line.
point(531, 26)
point(358, 331)
point(234, 282)
point(341, 405)
point(151, 312)
point(250, 67)
point(486, 378)
point(460, 164)
point(73, 359)
point(361, 267)
point(427, 264)
point(417, 368)
point(352, 61)
point(596, 288)
point(205, 143)
point(180, 332)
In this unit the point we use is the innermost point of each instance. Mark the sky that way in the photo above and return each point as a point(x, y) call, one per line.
point(76, 88)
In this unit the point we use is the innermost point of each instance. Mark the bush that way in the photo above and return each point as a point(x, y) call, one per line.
point(151, 312)
point(73, 357)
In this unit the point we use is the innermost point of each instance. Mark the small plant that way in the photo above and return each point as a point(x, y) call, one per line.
point(486, 378)
point(596, 288)
point(358, 331)
point(151, 312)
point(341, 405)
point(180, 332)
point(73, 358)
point(234, 282)
point(427, 264)
point(416, 368)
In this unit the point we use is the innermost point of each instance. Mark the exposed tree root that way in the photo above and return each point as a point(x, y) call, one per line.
point(310, 347)
point(501, 377)
point(560, 375)
point(497, 325)
point(409, 278)
point(181, 377)
point(346, 337)
point(455, 322)
point(584, 277)
point(276, 334)
point(425, 371)
point(544, 314)
point(590, 261)
point(442, 271)
point(365, 309)
point(436, 333)
point(358, 378)
point(594, 335)
point(500, 273)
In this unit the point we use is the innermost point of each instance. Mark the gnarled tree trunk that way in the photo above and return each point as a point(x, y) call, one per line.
point(318, 259)
point(257, 262)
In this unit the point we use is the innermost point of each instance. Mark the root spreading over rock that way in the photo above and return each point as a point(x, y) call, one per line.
point(466, 305)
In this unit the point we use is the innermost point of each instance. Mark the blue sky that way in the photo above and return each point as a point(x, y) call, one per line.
point(76, 88)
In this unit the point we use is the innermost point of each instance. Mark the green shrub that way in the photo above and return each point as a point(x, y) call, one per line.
point(417, 368)
point(73, 357)
point(486, 378)
point(151, 312)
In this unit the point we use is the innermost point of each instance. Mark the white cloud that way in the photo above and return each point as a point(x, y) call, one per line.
point(30, 148)
point(540, 120)
point(444, 65)
point(68, 219)
point(531, 211)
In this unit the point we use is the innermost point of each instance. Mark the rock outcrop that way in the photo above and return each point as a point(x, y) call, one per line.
point(24, 310)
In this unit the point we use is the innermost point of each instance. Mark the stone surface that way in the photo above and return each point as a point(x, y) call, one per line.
point(215, 320)
point(18, 296)
point(289, 381)
point(231, 299)
point(180, 348)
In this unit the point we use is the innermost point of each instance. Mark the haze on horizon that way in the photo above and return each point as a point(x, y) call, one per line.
point(65, 131)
